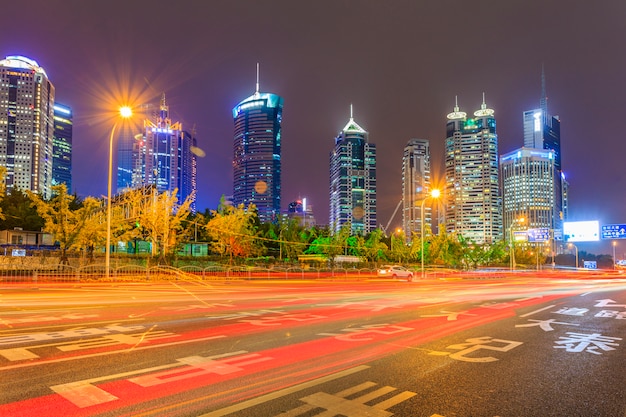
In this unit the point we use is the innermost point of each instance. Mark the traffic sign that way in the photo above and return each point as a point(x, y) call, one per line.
point(539, 235)
point(614, 231)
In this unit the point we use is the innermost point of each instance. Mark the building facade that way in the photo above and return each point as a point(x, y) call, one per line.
point(26, 125)
point(62, 146)
point(528, 182)
point(257, 154)
point(543, 131)
point(161, 156)
point(353, 181)
point(416, 186)
point(472, 193)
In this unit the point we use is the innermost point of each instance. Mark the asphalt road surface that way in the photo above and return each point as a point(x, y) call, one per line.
point(513, 346)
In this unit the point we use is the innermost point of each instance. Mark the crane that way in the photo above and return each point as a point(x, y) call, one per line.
point(392, 216)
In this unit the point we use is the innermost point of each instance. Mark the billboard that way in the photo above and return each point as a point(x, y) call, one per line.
point(588, 231)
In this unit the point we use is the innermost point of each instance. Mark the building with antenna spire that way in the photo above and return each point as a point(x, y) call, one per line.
point(353, 180)
point(472, 195)
point(160, 156)
point(534, 186)
point(257, 153)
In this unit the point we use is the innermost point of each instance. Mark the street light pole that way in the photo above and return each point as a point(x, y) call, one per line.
point(125, 112)
point(434, 194)
point(614, 243)
point(575, 247)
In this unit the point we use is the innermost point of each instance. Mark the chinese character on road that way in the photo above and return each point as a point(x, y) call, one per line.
point(545, 325)
point(579, 342)
point(476, 344)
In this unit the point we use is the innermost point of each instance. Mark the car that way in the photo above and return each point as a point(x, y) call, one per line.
point(395, 271)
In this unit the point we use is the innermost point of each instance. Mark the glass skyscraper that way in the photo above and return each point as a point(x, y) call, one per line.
point(257, 153)
point(161, 156)
point(543, 131)
point(62, 146)
point(26, 125)
point(353, 180)
point(415, 186)
point(472, 193)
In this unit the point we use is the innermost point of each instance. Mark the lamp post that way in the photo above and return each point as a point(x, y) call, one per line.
point(433, 194)
point(571, 245)
point(614, 243)
point(512, 256)
point(125, 112)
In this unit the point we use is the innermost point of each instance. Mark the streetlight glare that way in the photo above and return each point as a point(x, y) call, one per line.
point(126, 112)
point(435, 193)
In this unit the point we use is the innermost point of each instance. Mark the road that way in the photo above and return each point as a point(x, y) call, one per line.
point(514, 346)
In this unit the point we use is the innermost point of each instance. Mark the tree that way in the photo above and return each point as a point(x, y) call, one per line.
point(60, 220)
point(156, 217)
point(18, 211)
point(233, 231)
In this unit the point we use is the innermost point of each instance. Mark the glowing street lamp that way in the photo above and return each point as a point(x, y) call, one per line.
point(125, 112)
point(433, 194)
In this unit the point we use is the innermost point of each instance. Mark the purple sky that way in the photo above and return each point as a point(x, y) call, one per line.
point(400, 63)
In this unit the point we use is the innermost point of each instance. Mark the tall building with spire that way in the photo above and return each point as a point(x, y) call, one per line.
point(353, 180)
point(257, 153)
point(472, 196)
point(62, 146)
point(543, 131)
point(26, 125)
point(415, 186)
point(161, 156)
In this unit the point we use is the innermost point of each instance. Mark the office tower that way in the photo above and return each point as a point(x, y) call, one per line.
point(301, 211)
point(62, 146)
point(162, 156)
point(26, 125)
point(415, 186)
point(543, 131)
point(257, 153)
point(528, 190)
point(353, 180)
point(473, 205)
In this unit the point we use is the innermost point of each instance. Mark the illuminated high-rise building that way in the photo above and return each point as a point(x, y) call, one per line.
point(257, 153)
point(26, 125)
point(528, 182)
point(161, 156)
point(353, 180)
point(543, 131)
point(415, 186)
point(472, 196)
point(62, 146)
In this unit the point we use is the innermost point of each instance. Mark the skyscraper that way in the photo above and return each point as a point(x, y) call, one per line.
point(26, 125)
point(353, 180)
point(528, 189)
point(62, 146)
point(543, 131)
point(473, 204)
point(415, 185)
point(162, 156)
point(257, 153)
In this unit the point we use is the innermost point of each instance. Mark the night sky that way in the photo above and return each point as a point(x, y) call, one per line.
point(400, 63)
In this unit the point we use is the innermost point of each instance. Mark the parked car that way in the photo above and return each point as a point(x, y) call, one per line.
point(395, 271)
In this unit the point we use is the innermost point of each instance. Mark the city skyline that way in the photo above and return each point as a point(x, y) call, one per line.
point(401, 69)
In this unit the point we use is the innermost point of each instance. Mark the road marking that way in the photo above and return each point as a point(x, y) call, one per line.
point(95, 355)
point(281, 393)
point(537, 311)
point(84, 394)
point(339, 404)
